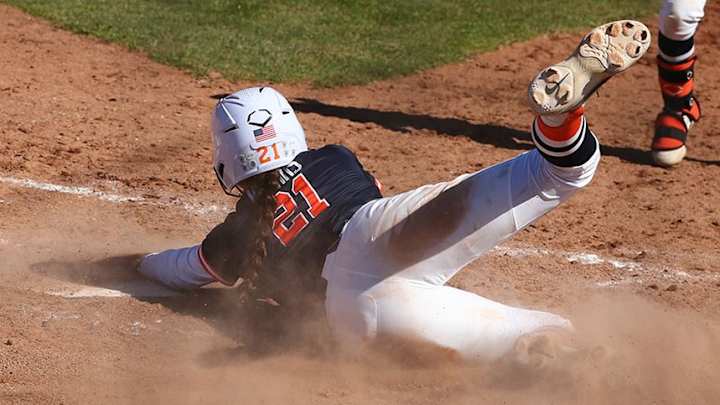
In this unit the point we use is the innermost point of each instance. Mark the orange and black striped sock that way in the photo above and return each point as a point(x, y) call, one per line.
point(565, 142)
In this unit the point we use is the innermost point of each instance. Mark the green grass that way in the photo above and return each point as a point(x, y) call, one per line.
point(322, 41)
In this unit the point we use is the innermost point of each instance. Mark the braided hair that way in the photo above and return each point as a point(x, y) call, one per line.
point(263, 186)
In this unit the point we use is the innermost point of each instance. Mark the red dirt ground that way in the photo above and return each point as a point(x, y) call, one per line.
point(80, 112)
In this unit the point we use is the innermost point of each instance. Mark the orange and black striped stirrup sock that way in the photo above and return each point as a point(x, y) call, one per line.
point(568, 144)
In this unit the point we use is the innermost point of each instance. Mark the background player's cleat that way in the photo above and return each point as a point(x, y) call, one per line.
point(670, 157)
point(671, 131)
point(680, 111)
point(605, 51)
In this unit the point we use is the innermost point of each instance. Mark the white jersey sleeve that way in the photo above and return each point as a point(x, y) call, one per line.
point(179, 269)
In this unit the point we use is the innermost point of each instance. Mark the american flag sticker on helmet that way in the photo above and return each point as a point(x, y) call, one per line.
point(264, 133)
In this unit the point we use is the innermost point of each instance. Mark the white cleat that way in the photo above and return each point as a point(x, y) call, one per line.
point(540, 349)
point(669, 158)
point(607, 50)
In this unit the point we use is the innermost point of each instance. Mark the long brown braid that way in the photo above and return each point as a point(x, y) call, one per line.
point(263, 186)
point(272, 319)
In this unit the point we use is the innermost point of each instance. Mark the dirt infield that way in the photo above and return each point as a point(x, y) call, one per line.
point(105, 153)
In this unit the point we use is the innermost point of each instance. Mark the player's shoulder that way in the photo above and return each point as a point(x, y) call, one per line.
point(329, 152)
point(338, 150)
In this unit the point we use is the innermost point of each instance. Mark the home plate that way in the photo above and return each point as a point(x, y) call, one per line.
point(138, 289)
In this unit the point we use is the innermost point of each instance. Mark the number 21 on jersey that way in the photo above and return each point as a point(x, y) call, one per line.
point(289, 219)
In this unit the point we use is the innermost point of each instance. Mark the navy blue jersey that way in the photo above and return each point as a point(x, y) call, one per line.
point(320, 190)
point(319, 193)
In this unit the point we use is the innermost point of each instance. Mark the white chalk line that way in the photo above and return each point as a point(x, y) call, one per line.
point(633, 270)
point(584, 258)
point(83, 191)
point(137, 289)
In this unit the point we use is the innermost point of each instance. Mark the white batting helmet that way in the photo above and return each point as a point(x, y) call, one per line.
point(254, 131)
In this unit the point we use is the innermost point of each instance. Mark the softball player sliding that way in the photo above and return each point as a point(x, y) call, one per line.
point(304, 216)
point(679, 20)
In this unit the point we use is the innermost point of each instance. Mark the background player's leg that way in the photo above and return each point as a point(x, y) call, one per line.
point(679, 20)
point(676, 72)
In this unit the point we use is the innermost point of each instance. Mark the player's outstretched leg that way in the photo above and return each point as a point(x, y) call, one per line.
point(676, 72)
point(562, 137)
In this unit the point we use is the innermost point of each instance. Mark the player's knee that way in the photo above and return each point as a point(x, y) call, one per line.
point(351, 315)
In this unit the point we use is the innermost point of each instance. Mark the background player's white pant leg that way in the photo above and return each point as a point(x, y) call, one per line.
point(679, 18)
point(387, 275)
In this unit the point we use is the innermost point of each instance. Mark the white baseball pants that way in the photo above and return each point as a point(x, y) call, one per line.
point(679, 18)
point(388, 275)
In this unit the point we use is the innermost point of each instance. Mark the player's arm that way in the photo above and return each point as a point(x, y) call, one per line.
point(218, 258)
point(180, 269)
